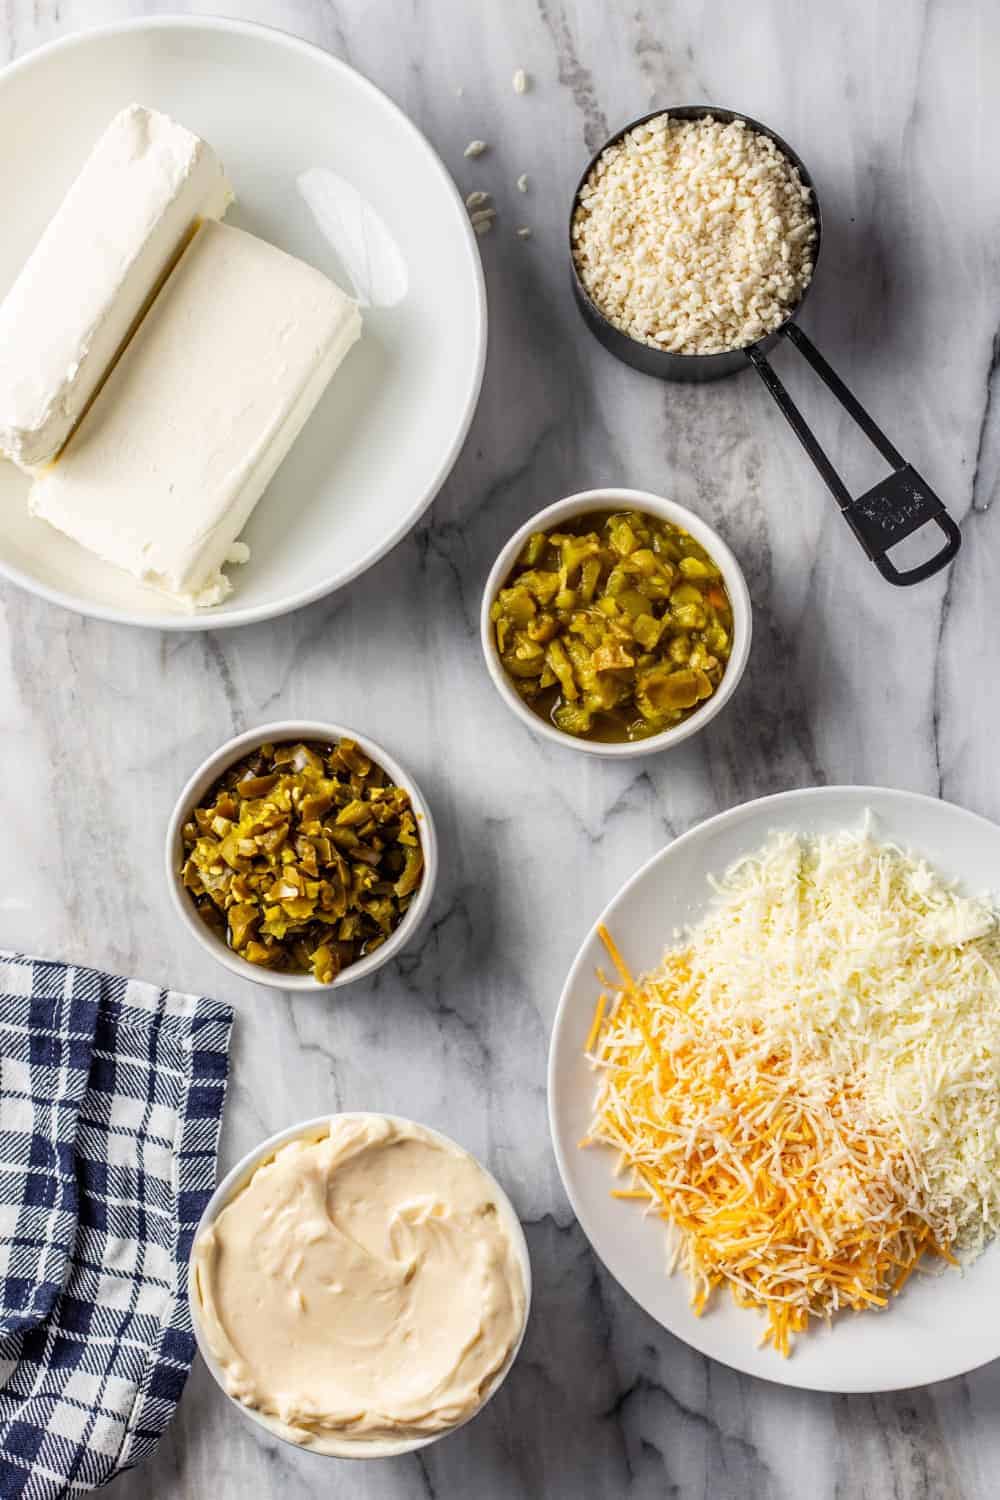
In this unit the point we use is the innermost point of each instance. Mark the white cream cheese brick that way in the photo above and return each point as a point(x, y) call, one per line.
point(167, 465)
point(118, 231)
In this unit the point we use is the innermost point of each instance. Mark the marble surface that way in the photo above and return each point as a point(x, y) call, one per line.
point(893, 107)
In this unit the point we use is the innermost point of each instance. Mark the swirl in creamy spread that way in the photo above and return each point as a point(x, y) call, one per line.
point(364, 1283)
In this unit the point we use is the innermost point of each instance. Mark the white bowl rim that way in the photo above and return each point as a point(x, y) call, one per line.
point(280, 732)
point(719, 550)
point(372, 1447)
point(250, 614)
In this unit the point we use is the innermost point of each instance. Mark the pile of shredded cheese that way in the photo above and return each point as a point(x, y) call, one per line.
point(808, 1088)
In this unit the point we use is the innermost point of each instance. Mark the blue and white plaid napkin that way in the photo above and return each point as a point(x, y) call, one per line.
point(111, 1096)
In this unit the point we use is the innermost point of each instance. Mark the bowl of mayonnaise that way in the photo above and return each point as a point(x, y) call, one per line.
point(359, 1285)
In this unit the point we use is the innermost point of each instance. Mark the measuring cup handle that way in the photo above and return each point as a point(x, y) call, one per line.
point(895, 507)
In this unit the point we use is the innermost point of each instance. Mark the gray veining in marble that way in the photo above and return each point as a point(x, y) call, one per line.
point(892, 103)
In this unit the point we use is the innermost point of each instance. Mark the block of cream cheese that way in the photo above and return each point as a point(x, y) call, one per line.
point(118, 231)
point(161, 475)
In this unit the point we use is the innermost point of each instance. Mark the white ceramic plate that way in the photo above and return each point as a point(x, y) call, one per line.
point(302, 136)
point(936, 1328)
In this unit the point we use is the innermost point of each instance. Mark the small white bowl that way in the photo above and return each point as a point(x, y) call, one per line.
point(667, 510)
point(211, 769)
point(240, 1174)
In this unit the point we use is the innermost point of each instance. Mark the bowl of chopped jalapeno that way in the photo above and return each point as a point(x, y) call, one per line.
point(617, 622)
point(301, 856)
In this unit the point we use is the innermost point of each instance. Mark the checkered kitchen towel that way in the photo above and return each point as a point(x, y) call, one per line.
point(111, 1098)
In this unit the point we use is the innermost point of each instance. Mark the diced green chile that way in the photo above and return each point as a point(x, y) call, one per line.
point(615, 626)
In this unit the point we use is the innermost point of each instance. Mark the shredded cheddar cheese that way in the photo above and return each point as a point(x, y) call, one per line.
point(807, 1090)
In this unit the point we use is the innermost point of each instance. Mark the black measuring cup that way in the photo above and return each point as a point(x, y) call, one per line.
point(886, 514)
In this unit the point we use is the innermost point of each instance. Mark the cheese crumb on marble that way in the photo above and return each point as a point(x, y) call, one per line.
point(694, 236)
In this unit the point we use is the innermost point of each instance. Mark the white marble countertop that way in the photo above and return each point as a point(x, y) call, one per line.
point(893, 108)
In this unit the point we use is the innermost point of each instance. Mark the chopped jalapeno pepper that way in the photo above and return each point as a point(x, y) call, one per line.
point(303, 857)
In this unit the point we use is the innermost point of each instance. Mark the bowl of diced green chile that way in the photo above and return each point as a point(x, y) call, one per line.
point(301, 856)
point(617, 622)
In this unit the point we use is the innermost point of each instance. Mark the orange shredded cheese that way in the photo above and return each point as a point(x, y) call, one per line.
point(775, 1179)
point(595, 1026)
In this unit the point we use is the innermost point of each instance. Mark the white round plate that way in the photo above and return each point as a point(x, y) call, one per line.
point(326, 167)
point(938, 1327)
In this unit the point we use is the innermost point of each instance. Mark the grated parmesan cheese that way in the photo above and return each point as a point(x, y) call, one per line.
point(694, 236)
